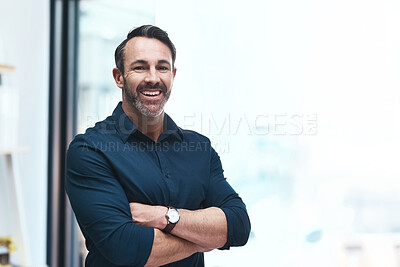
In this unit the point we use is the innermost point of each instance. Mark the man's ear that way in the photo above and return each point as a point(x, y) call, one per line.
point(118, 77)
point(174, 72)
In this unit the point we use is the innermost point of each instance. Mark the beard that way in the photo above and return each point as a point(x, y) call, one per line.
point(147, 108)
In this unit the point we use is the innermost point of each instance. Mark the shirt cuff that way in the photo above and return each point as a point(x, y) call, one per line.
point(238, 227)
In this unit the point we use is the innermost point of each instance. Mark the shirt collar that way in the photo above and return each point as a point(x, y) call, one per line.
point(126, 127)
point(170, 128)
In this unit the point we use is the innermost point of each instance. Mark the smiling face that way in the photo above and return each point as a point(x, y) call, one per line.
point(148, 77)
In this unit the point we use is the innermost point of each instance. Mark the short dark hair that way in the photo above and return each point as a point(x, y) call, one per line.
point(148, 31)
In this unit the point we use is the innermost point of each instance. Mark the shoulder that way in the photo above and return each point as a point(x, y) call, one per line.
point(88, 151)
point(189, 135)
point(197, 142)
point(101, 133)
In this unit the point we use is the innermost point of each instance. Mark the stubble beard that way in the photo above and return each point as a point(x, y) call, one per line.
point(133, 99)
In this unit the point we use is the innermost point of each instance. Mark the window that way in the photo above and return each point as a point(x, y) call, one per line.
point(300, 99)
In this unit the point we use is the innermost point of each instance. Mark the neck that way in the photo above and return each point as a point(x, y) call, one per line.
point(152, 127)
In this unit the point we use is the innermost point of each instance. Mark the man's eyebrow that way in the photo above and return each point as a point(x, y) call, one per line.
point(163, 61)
point(139, 61)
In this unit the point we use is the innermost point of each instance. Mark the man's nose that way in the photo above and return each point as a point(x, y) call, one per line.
point(152, 76)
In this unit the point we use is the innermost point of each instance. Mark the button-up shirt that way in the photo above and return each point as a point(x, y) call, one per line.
point(113, 164)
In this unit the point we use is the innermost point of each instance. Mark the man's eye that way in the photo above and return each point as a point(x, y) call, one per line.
point(163, 68)
point(139, 68)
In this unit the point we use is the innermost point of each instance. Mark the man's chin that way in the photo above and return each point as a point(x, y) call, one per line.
point(151, 113)
point(148, 109)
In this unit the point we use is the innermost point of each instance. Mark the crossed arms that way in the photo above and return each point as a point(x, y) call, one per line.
point(197, 231)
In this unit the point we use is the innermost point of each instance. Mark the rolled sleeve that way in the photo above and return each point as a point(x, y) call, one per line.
point(222, 195)
point(102, 208)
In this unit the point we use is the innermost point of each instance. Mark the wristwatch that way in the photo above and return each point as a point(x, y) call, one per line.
point(173, 217)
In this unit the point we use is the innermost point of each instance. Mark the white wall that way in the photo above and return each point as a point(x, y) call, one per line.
point(24, 34)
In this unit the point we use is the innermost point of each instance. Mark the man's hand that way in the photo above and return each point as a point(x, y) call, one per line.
point(150, 216)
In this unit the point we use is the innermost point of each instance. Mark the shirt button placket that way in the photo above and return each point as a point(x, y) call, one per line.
point(165, 168)
point(160, 155)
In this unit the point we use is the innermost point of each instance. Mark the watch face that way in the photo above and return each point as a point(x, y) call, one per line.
point(173, 216)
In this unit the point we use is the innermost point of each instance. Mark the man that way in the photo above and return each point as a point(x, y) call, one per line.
point(146, 192)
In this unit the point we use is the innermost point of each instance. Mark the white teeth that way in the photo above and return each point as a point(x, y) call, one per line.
point(153, 93)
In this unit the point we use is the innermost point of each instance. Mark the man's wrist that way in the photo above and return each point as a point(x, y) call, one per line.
point(163, 221)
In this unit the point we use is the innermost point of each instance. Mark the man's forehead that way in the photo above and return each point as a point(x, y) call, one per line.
point(147, 47)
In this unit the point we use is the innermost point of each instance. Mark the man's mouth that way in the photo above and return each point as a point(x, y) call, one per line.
point(150, 93)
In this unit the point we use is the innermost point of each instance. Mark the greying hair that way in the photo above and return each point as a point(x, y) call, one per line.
point(148, 31)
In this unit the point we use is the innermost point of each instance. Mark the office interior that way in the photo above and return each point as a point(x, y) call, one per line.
point(300, 99)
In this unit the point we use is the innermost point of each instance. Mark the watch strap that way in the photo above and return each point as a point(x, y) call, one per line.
point(170, 225)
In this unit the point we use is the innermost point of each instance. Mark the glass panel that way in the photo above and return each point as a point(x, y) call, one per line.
point(287, 92)
point(103, 25)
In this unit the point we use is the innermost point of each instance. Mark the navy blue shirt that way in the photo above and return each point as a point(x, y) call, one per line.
point(113, 164)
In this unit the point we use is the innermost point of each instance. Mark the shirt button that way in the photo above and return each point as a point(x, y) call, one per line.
point(167, 175)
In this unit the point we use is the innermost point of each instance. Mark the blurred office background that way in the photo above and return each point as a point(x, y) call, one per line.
point(300, 98)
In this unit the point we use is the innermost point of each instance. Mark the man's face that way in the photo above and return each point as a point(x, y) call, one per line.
point(148, 76)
